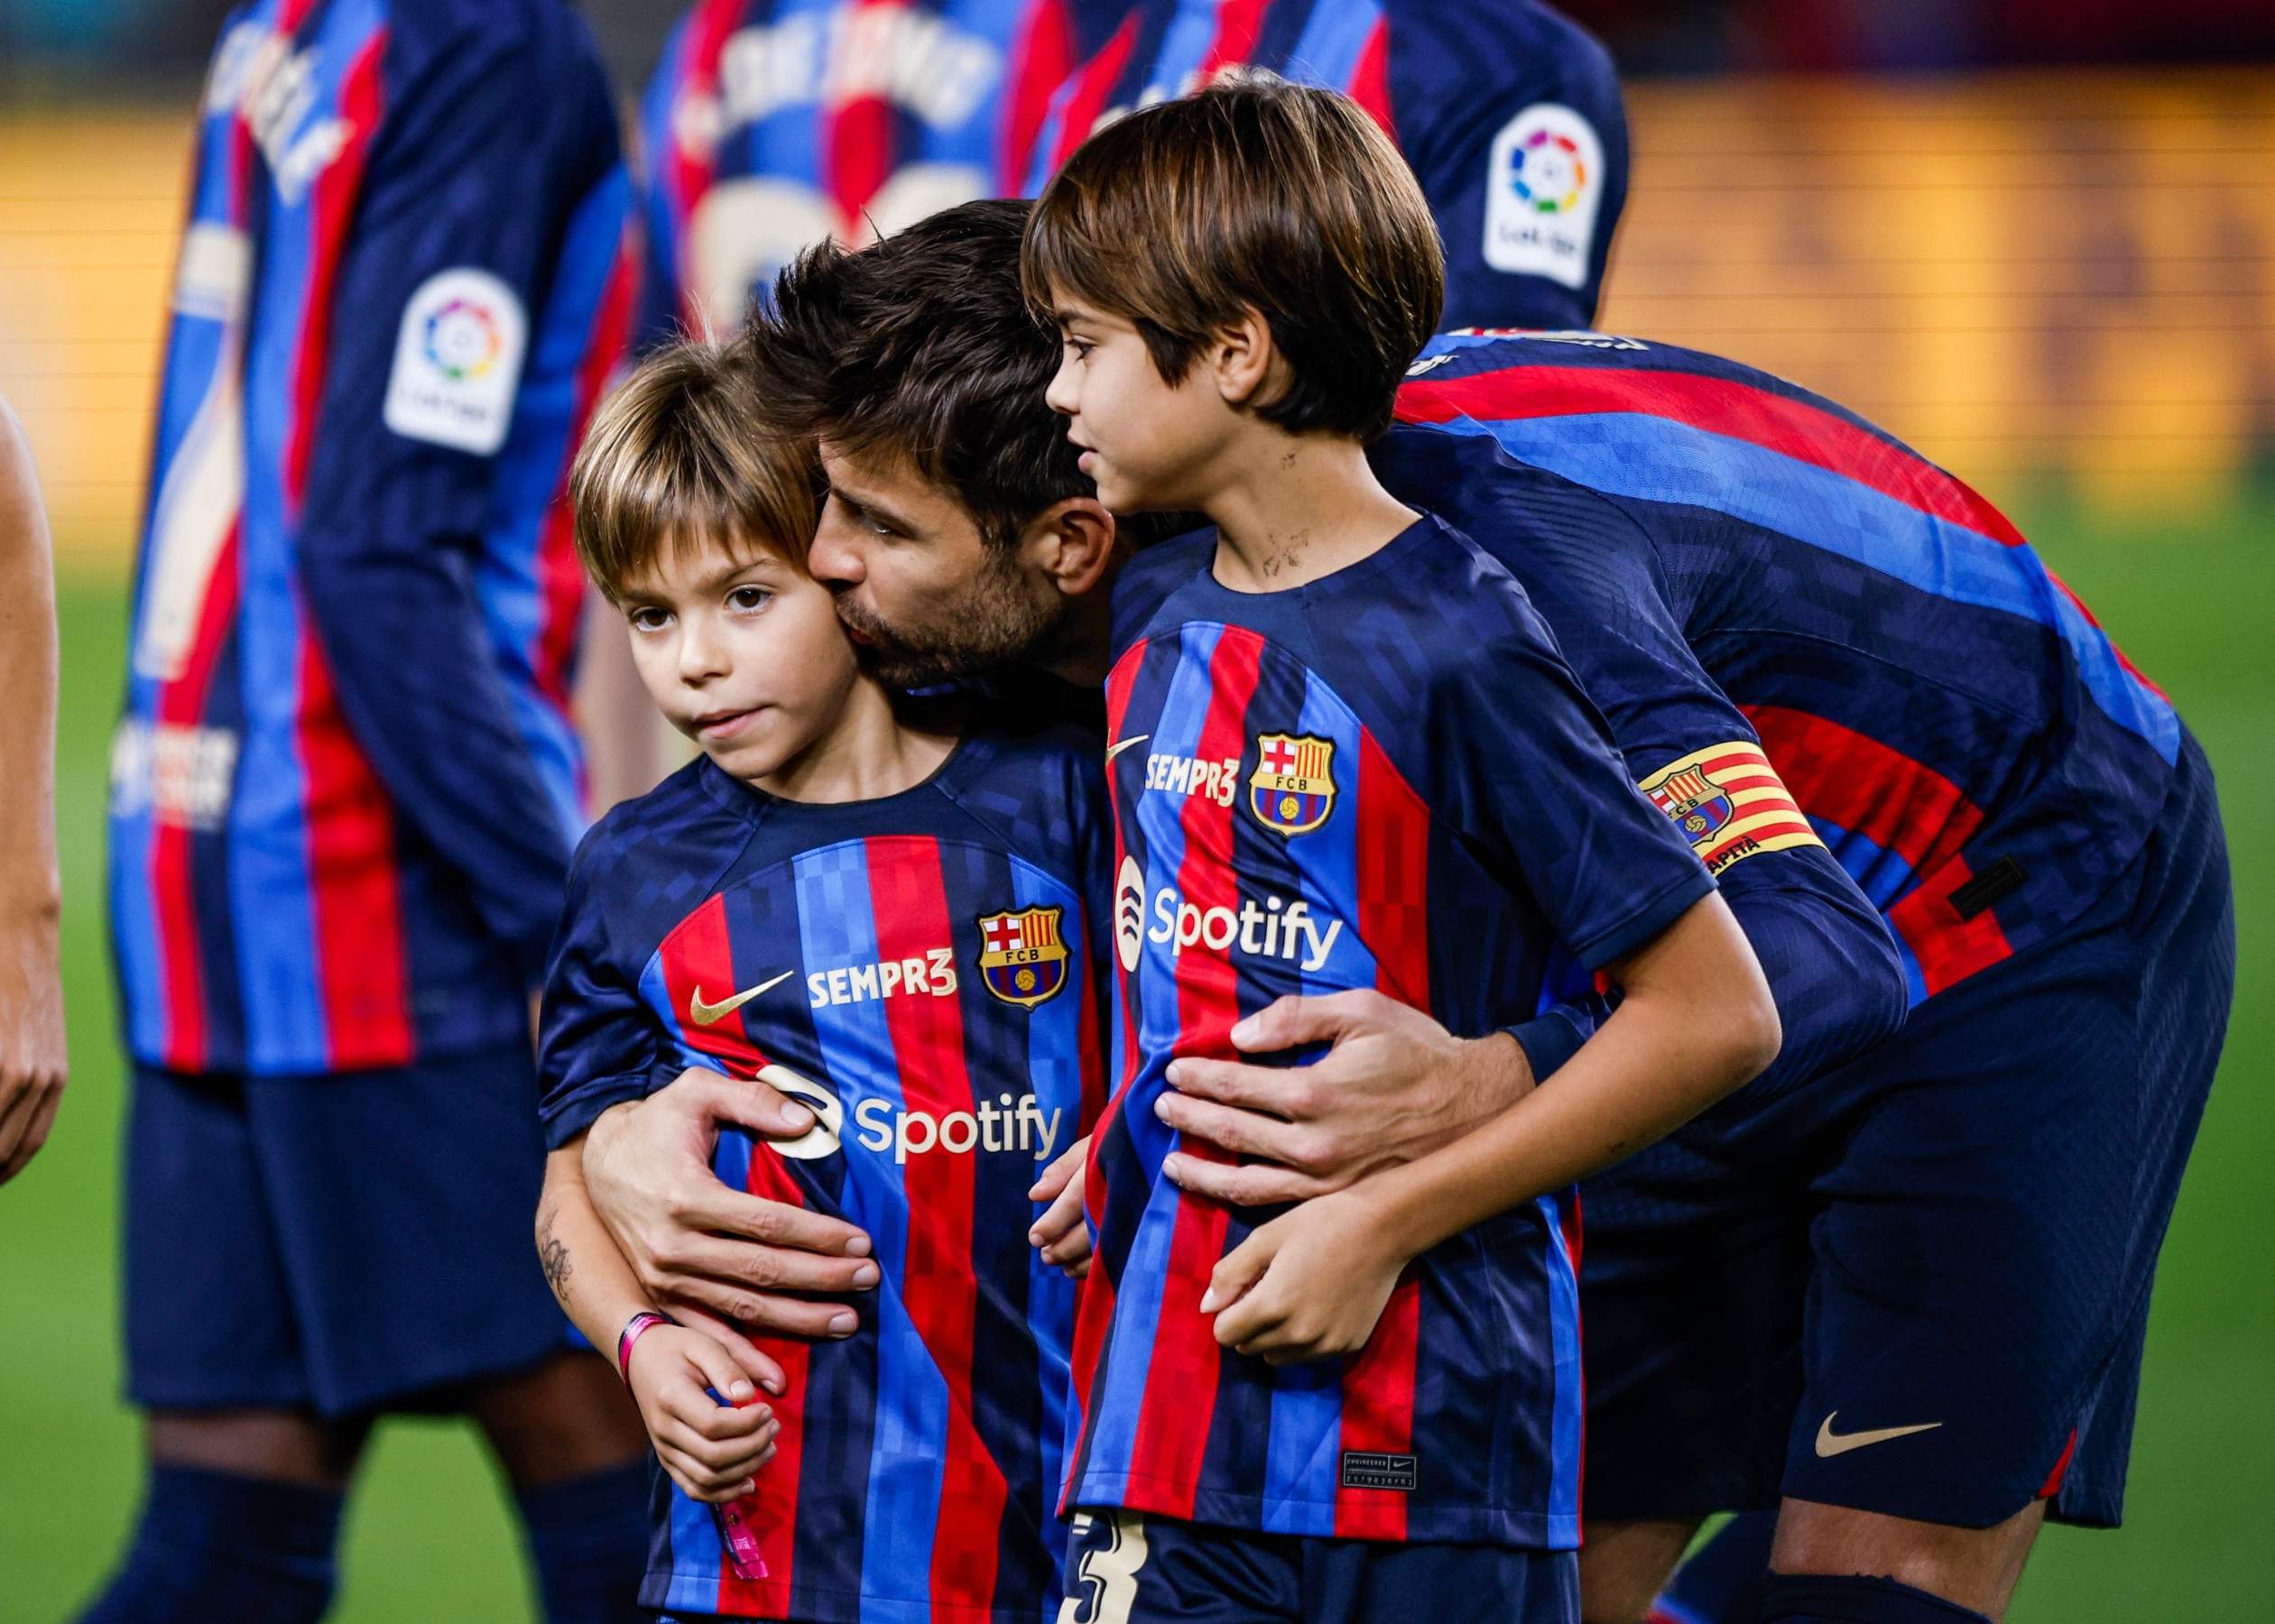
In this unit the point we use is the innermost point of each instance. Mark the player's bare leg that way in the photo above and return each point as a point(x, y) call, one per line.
point(275, 1446)
point(571, 1444)
point(1623, 1565)
point(566, 1419)
point(1976, 1568)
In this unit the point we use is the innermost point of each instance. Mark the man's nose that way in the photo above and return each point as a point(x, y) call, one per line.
point(835, 558)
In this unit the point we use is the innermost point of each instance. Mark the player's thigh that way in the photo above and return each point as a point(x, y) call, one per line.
point(1978, 1568)
point(403, 1200)
point(1693, 1270)
point(209, 1319)
point(1990, 1231)
point(564, 1417)
point(1375, 1581)
point(1971, 1280)
point(1625, 1565)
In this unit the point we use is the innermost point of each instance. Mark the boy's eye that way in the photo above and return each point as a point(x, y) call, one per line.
point(749, 597)
point(648, 618)
point(1081, 347)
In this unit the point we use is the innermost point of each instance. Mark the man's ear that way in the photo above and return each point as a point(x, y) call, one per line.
point(1071, 543)
point(1239, 358)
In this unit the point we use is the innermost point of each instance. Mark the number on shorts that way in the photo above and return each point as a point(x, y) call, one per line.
point(1108, 1572)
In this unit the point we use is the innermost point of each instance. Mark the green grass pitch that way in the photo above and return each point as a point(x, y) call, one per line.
point(429, 1538)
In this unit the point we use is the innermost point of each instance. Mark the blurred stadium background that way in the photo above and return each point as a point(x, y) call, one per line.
point(2036, 238)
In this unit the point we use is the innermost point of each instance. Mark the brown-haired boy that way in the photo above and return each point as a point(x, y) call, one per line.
point(881, 907)
point(1343, 753)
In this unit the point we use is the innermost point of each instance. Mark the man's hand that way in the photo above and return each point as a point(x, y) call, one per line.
point(1311, 1283)
point(695, 1243)
point(33, 1064)
point(1060, 1234)
point(1394, 1086)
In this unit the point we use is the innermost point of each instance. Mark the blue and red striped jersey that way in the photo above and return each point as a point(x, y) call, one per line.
point(346, 785)
point(1509, 114)
point(771, 125)
point(922, 970)
point(1953, 723)
point(1385, 779)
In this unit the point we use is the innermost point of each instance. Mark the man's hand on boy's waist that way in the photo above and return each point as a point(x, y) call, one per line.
point(695, 1243)
point(1394, 1086)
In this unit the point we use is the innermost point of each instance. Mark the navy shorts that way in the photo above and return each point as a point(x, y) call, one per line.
point(1919, 1285)
point(341, 1244)
point(1124, 1567)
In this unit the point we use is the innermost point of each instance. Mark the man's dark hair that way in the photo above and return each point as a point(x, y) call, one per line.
point(1254, 194)
point(922, 345)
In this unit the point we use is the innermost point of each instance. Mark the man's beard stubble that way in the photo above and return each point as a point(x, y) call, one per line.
point(992, 626)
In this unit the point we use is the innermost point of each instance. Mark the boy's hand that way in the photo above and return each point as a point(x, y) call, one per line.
point(1394, 1086)
point(1309, 1285)
point(756, 1362)
point(1060, 1234)
point(34, 1063)
point(709, 1448)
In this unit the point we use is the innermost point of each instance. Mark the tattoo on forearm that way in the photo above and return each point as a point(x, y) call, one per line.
point(552, 1254)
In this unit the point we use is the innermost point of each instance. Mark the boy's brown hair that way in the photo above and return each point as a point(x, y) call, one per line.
point(1254, 194)
point(680, 457)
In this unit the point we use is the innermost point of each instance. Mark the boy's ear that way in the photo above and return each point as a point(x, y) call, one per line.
point(1239, 358)
point(1071, 543)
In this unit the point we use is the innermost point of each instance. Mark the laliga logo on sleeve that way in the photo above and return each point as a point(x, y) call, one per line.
point(462, 340)
point(458, 361)
point(1544, 181)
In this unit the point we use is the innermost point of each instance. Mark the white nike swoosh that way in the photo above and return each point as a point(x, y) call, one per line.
point(711, 1014)
point(1830, 1444)
point(1119, 745)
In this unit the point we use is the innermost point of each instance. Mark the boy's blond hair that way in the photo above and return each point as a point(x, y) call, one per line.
point(678, 458)
point(1254, 195)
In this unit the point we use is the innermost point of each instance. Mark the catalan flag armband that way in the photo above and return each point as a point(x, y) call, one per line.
point(1730, 804)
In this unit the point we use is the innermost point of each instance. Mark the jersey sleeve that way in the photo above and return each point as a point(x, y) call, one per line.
point(598, 1044)
point(1597, 579)
point(1536, 784)
point(488, 152)
point(1512, 118)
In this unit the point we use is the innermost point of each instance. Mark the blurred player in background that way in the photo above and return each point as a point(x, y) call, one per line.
point(1510, 116)
point(771, 125)
point(345, 790)
point(33, 1062)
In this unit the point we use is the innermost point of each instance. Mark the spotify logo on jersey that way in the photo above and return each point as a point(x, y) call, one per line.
point(1129, 913)
point(829, 1117)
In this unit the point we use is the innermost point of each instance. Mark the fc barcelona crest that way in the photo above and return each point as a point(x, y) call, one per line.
point(1698, 806)
point(1292, 789)
point(1023, 957)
